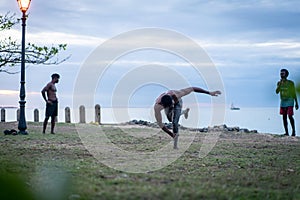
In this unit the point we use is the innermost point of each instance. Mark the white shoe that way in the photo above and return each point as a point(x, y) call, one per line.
point(186, 113)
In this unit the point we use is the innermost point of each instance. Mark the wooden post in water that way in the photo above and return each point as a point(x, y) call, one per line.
point(36, 115)
point(67, 115)
point(2, 115)
point(81, 114)
point(98, 114)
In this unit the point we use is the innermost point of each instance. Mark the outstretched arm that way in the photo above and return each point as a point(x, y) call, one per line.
point(186, 91)
point(200, 90)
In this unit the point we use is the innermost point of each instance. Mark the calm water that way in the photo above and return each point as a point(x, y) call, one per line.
point(264, 120)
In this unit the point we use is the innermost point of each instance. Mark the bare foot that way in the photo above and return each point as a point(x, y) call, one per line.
point(186, 113)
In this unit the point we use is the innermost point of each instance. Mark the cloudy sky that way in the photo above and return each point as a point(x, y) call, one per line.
point(248, 42)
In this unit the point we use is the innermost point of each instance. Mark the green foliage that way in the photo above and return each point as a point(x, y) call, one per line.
point(7, 21)
point(10, 50)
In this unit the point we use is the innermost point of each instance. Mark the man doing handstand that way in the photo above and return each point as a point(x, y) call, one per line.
point(171, 103)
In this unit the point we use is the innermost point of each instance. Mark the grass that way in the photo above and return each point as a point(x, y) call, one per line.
point(240, 166)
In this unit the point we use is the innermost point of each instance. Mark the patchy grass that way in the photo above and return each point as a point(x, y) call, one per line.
point(240, 166)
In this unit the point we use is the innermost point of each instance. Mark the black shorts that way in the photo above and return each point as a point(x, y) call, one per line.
point(52, 109)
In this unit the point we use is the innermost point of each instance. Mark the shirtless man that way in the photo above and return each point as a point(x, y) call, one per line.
point(171, 102)
point(51, 102)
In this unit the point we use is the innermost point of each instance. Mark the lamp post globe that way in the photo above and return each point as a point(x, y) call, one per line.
point(23, 5)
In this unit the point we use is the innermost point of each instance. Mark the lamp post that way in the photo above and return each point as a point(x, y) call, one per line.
point(24, 5)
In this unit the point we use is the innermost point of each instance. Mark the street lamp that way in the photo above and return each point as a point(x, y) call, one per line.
point(24, 5)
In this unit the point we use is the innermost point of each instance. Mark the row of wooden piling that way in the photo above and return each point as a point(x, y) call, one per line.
point(82, 115)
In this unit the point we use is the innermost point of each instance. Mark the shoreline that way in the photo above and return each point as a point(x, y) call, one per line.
point(216, 128)
point(222, 127)
point(146, 124)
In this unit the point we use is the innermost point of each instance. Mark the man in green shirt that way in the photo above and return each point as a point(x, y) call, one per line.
point(288, 96)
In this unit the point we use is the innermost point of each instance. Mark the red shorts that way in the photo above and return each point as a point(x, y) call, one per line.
point(287, 110)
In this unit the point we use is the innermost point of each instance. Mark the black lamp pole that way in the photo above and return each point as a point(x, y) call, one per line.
point(22, 121)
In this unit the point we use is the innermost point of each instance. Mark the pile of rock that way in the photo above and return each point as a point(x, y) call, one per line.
point(203, 130)
point(144, 123)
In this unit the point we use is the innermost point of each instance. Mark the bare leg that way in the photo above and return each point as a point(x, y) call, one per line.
point(285, 124)
point(292, 121)
point(45, 124)
point(52, 124)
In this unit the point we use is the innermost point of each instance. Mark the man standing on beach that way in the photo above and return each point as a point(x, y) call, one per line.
point(51, 102)
point(171, 102)
point(288, 96)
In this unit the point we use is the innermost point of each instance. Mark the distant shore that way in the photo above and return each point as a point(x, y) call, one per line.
point(8, 107)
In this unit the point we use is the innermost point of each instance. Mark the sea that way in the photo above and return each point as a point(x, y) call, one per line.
point(262, 119)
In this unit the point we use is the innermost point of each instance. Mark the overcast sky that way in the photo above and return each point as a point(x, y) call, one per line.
point(248, 41)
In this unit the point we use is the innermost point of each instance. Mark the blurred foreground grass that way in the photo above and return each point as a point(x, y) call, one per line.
point(240, 166)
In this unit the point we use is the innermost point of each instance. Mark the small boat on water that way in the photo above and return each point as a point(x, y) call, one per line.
point(232, 107)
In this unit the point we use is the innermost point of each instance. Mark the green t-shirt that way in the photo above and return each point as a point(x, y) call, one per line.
point(287, 93)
